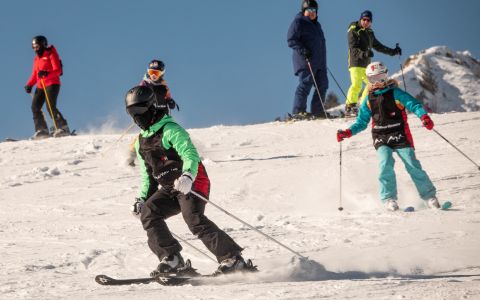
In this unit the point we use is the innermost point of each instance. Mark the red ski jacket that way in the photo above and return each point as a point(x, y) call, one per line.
point(50, 62)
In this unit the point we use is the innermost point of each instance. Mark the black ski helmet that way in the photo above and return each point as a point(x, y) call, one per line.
point(139, 96)
point(309, 4)
point(40, 40)
point(157, 65)
point(140, 105)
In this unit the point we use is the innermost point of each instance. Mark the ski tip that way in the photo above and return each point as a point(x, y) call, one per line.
point(446, 205)
point(409, 209)
point(103, 279)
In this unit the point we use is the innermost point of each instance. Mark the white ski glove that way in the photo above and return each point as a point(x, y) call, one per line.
point(184, 183)
point(137, 207)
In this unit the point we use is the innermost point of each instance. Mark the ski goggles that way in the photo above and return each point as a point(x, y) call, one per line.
point(136, 110)
point(312, 10)
point(153, 72)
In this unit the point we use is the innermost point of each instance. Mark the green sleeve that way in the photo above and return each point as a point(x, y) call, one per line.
point(177, 137)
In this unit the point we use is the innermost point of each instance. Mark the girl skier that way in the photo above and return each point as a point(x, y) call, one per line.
point(386, 105)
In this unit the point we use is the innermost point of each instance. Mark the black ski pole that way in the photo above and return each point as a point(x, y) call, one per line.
point(316, 86)
point(192, 246)
point(331, 74)
point(401, 68)
point(248, 225)
point(456, 148)
point(340, 207)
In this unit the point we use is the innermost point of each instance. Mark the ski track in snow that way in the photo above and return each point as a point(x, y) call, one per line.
point(66, 217)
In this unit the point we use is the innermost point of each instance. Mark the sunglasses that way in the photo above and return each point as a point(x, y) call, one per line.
point(135, 110)
point(151, 72)
point(311, 10)
point(366, 20)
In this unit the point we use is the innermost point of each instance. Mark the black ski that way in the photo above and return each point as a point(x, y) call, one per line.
point(168, 279)
point(106, 280)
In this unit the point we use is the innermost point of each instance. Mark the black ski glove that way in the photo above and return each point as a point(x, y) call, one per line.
point(28, 89)
point(397, 51)
point(307, 54)
point(42, 74)
point(172, 104)
point(369, 53)
point(137, 207)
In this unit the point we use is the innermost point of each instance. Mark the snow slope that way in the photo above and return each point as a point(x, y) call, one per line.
point(65, 216)
point(444, 79)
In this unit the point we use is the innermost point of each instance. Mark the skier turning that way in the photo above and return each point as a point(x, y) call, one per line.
point(385, 104)
point(168, 157)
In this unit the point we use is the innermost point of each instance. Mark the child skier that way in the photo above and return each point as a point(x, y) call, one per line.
point(153, 79)
point(385, 105)
point(168, 157)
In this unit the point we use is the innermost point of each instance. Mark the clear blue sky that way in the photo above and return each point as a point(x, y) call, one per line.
point(227, 62)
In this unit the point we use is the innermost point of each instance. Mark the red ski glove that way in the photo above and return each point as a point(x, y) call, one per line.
point(343, 134)
point(427, 122)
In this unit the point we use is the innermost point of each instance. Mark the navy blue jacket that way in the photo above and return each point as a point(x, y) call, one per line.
point(307, 34)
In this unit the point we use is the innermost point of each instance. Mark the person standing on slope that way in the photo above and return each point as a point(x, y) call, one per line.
point(168, 157)
point(386, 105)
point(47, 69)
point(361, 41)
point(305, 37)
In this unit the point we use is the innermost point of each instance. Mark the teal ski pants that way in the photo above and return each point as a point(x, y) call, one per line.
point(388, 181)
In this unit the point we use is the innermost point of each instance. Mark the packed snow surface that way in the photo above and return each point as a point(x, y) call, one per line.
point(65, 216)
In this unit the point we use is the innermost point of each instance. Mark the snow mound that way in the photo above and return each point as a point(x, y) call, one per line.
point(443, 79)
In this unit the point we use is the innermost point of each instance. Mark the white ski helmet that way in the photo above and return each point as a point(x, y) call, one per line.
point(376, 72)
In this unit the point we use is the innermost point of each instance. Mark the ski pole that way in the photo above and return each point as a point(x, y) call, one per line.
point(121, 136)
point(316, 87)
point(401, 68)
point(48, 104)
point(434, 130)
point(248, 225)
point(192, 246)
point(331, 74)
point(340, 207)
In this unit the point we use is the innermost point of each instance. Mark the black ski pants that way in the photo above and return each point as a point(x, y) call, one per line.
point(37, 103)
point(165, 203)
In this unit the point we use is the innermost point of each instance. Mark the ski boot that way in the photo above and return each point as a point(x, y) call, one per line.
point(40, 135)
point(174, 264)
point(433, 203)
point(351, 110)
point(391, 204)
point(63, 131)
point(301, 116)
point(235, 264)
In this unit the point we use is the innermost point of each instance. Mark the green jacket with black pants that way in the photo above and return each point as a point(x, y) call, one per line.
point(165, 148)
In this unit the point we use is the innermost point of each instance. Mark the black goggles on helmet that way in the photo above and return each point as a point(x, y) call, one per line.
point(136, 110)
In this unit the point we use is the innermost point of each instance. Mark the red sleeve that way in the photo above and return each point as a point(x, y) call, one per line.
point(33, 78)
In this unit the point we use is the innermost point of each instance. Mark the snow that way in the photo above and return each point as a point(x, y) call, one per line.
point(65, 216)
point(444, 79)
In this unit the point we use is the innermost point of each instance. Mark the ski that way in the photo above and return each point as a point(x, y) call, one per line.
point(169, 279)
point(11, 140)
point(445, 206)
point(106, 280)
